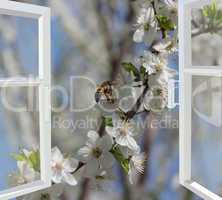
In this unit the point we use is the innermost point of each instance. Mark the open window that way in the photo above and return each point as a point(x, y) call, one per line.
point(200, 97)
point(25, 105)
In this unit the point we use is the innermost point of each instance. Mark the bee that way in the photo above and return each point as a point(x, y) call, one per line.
point(105, 89)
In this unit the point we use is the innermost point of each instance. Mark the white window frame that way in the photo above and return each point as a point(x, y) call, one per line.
point(42, 82)
point(186, 73)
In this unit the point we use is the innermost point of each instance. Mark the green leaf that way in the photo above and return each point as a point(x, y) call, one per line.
point(213, 16)
point(210, 11)
point(205, 12)
point(109, 121)
point(34, 160)
point(165, 23)
point(19, 157)
point(118, 155)
point(142, 72)
point(130, 68)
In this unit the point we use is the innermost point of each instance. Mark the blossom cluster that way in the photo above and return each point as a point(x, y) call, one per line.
point(119, 140)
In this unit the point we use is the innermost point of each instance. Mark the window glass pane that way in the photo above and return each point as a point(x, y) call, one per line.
point(207, 132)
point(206, 35)
point(19, 133)
point(18, 46)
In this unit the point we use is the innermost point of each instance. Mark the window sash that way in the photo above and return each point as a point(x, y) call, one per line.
point(187, 70)
point(43, 82)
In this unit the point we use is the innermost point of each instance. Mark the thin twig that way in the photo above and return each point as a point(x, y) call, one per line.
point(130, 114)
point(207, 30)
point(163, 31)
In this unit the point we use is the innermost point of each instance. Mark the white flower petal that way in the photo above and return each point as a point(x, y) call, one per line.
point(116, 119)
point(121, 140)
point(136, 151)
point(56, 176)
point(91, 168)
point(93, 136)
point(84, 153)
point(70, 165)
point(29, 174)
point(110, 130)
point(106, 143)
point(107, 160)
point(57, 155)
point(116, 132)
point(69, 178)
point(132, 128)
point(150, 36)
point(138, 35)
point(20, 165)
point(131, 143)
point(133, 176)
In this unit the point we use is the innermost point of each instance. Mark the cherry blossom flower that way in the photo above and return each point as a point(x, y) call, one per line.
point(63, 167)
point(156, 67)
point(161, 77)
point(96, 153)
point(168, 8)
point(168, 45)
point(123, 132)
point(159, 73)
point(152, 62)
point(172, 6)
point(146, 25)
point(25, 174)
point(156, 99)
point(136, 166)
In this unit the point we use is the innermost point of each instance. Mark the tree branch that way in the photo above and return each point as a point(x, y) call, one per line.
point(207, 30)
point(163, 31)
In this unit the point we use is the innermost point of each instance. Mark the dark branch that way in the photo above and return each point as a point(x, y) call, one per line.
point(163, 31)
